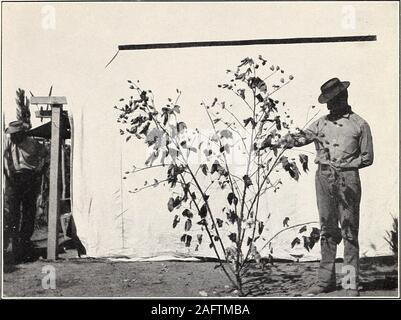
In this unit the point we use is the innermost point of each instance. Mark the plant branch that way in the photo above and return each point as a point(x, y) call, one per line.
point(212, 241)
point(289, 228)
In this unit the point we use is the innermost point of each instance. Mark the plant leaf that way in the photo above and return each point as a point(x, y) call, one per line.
point(256, 82)
point(307, 243)
point(249, 241)
point(188, 225)
point(145, 129)
point(278, 122)
point(204, 169)
point(181, 126)
point(188, 240)
point(177, 202)
point(250, 120)
point(226, 134)
point(231, 198)
point(315, 234)
point(303, 229)
point(247, 181)
point(295, 242)
point(187, 213)
point(241, 93)
point(303, 158)
point(217, 167)
point(170, 204)
point(203, 211)
point(261, 225)
point(176, 221)
point(232, 216)
point(233, 237)
point(290, 167)
point(285, 222)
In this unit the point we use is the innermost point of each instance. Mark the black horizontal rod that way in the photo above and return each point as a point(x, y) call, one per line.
point(194, 44)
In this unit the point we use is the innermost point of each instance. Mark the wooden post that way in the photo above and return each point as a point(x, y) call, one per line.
point(63, 178)
point(56, 104)
point(54, 192)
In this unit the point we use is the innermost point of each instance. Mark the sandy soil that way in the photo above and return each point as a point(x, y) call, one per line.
point(103, 278)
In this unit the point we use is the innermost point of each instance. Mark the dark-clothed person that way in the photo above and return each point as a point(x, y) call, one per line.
point(23, 161)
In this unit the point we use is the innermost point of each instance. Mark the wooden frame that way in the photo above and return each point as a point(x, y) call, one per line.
point(56, 104)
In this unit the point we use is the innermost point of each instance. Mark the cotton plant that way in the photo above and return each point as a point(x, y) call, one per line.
point(218, 177)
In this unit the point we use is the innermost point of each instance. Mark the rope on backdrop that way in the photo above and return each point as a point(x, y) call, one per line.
point(112, 59)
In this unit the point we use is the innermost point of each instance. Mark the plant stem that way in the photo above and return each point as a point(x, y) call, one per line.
point(211, 239)
point(208, 209)
point(241, 217)
point(292, 227)
point(146, 168)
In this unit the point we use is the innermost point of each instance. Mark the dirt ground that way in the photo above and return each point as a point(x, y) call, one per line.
point(104, 278)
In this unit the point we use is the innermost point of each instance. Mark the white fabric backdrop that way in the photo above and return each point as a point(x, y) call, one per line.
point(147, 223)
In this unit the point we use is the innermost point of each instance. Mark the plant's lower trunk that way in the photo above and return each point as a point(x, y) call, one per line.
point(238, 279)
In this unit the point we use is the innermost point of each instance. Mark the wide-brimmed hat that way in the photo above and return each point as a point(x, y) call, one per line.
point(16, 126)
point(331, 88)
